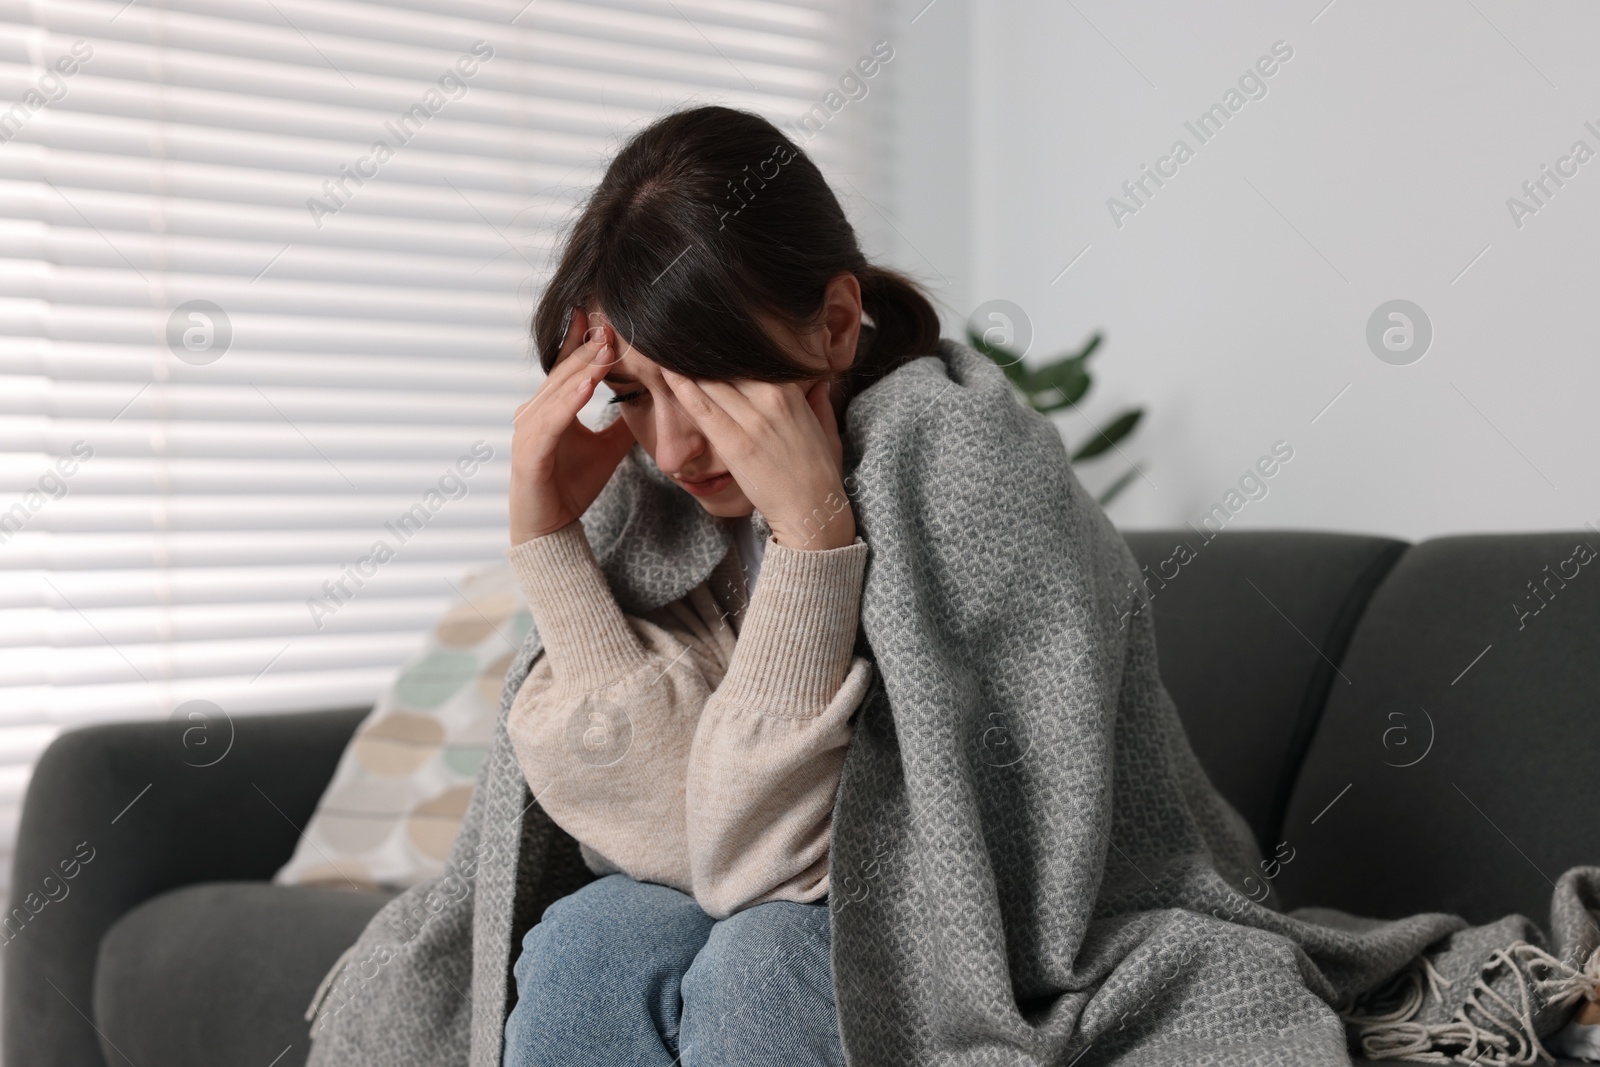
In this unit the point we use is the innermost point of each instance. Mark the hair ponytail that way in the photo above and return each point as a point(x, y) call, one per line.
point(905, 325)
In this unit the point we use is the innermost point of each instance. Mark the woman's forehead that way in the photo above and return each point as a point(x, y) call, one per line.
point(633, 364)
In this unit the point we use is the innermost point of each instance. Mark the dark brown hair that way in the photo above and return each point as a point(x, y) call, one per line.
point(704, 217)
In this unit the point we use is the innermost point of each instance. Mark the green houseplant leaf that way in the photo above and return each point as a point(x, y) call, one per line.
point(1111, 491)
point(1116, 430)
point(1062, 383)
point(1009, 361)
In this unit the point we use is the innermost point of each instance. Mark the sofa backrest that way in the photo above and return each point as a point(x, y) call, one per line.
point(1456, 763)
point(1249, 625)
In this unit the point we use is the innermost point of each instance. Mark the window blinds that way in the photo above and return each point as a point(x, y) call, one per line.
point(266, 268)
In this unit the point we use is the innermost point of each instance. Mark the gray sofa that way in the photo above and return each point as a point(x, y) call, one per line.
point(1414, 738)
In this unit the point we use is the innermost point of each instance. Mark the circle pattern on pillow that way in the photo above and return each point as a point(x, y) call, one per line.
point(393, 809)
point(356, 814)
point(468, 749)
point(494, 676)
point(434, 823)
point(467, 624)
point(399, 743)
point(435, 678)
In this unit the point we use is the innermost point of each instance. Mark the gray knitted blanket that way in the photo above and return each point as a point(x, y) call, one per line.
point(1028, 864)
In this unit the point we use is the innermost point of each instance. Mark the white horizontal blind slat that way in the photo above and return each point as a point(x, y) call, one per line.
point(165, 521)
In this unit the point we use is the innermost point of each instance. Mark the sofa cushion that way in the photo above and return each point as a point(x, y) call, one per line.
point(393, 809)
point(222, 972)
point(1246, 626)
point(158, 814)
point(1451, 654)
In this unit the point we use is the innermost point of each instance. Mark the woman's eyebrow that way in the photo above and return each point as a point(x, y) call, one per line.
point(619, 379)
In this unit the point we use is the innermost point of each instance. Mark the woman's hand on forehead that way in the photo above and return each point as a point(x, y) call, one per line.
point(782, 445)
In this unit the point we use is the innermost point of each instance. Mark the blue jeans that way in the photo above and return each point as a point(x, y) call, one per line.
point(633, 974)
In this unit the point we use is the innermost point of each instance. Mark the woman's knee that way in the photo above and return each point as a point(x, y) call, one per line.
point(612, 927)
point(764, 961)
point(600, 970)
point(763, 984)
point(761, 941)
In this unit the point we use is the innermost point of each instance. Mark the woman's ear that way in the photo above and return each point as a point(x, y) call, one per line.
point(841, 320)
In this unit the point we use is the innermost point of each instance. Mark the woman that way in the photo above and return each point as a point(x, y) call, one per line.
point(699, 783)
point(975, 834)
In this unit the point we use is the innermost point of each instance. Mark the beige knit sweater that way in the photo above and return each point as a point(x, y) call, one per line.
point(698, 745)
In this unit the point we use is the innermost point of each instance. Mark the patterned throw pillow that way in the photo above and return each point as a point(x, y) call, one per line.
point(397, 798)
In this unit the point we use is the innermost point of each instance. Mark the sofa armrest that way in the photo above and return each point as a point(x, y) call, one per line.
point(157, 814)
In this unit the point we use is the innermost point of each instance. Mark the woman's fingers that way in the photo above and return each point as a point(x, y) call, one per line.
point(731, 440)
point(705, 410)
point(753, 406)
point(554, 408)
point(786, 408)
point(579, 372)
point(821, 405)
point(579, 333)
point(574, 391)
point(584, 329)
point(739, 397)
point(589, 357)
point(584, 354)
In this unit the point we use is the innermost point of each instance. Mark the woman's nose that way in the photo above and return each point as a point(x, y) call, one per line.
point(678, 440)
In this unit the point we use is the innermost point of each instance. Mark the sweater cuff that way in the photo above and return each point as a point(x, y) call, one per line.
point(799, 632)
point(584, 631)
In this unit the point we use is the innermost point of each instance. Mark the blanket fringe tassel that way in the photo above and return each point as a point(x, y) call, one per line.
point(1487, 1030)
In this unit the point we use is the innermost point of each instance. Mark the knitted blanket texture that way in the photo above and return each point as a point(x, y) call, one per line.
point(1029, 866)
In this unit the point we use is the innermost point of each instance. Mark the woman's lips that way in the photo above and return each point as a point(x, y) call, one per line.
point(707, 486)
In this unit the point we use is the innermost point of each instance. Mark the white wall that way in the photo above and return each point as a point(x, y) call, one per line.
point(1235, 301)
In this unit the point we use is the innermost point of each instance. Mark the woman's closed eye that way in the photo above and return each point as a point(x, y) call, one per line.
point(630, 397)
